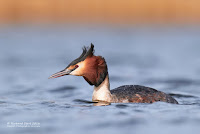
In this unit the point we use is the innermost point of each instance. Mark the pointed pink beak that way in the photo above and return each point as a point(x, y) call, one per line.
point(61, 73)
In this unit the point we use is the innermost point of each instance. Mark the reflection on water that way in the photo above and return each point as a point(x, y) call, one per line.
point(182, 95)
point(63, 89)
point(166, 59)
point(101, 103)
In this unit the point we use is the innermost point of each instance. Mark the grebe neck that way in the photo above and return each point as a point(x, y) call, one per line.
point(102, 92)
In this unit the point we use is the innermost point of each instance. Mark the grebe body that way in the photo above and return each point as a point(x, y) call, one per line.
point(94, 70)
point(140, 94)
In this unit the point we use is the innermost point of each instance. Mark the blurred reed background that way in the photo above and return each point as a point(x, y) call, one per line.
point(100, 11)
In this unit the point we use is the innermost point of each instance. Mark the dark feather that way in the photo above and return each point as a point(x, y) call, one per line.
point(141, 94)
point(86, 52)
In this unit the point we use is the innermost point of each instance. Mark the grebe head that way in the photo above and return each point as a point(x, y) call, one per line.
point(92, 68)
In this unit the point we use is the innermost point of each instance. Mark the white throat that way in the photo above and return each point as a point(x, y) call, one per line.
point(102, 92)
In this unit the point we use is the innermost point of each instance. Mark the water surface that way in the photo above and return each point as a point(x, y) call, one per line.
point(163, 58)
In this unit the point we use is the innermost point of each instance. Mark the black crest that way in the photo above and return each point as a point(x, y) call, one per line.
point(86, 52)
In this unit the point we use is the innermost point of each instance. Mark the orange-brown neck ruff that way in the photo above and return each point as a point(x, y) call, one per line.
point(95, 70)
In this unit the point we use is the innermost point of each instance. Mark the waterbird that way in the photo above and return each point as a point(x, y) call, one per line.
point(95, 71)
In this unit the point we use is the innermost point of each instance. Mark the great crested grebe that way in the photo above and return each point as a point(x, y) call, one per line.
point(94, 70)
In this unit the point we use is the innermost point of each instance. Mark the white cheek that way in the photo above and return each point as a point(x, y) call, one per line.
point(75, 72)
point(79, 70)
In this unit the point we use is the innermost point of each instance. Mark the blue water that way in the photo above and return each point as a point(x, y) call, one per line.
point(167, 59)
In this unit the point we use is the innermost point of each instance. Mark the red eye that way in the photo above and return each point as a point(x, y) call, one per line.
point(76, 66)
